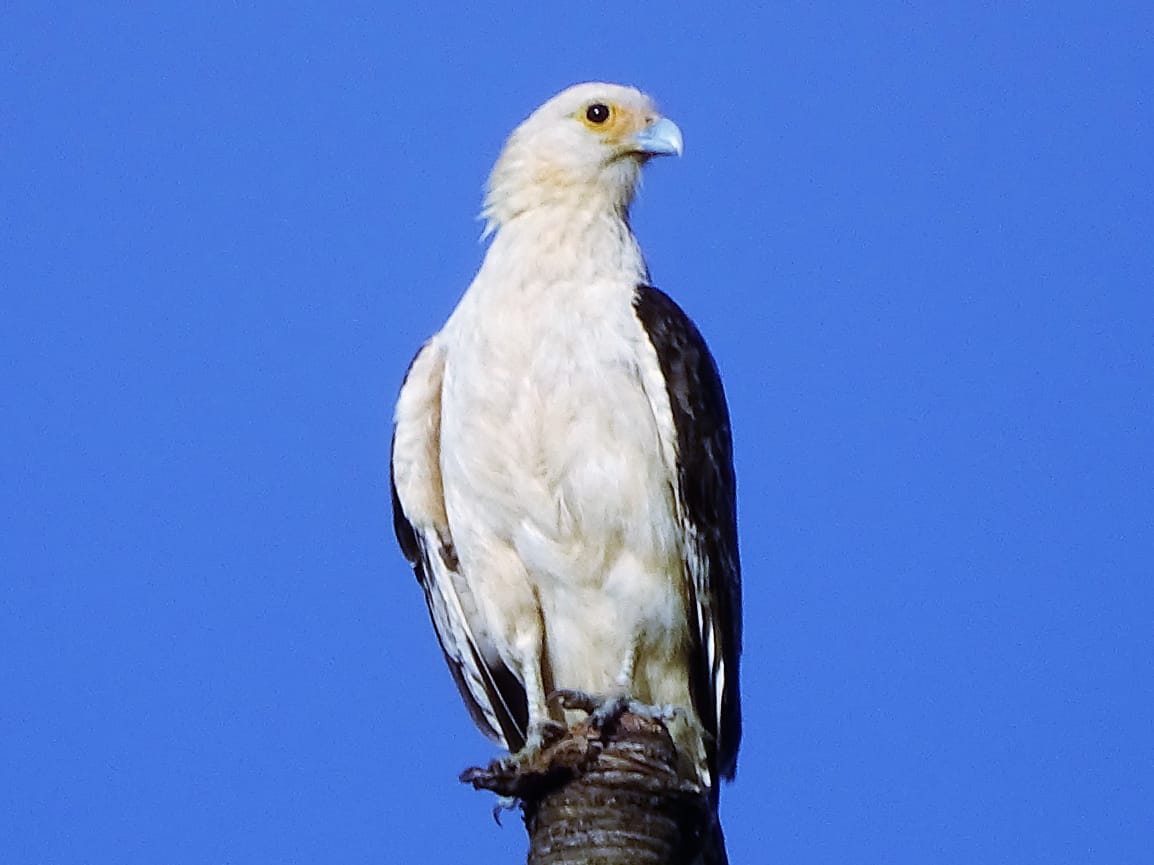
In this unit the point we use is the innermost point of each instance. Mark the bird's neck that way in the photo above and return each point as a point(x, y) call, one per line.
point(566, 243)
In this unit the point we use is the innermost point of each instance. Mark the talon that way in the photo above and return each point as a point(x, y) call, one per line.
point(670, 712)
point(504, 803)
point(546, 733)
point(603, 712)
point(570, 698)
point(552, 732)
point(610, 712)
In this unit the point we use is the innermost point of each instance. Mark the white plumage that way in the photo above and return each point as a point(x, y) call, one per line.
point(561, 463)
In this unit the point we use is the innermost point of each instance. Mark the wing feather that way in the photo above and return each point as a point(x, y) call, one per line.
point(707, 500)
point(494, 696)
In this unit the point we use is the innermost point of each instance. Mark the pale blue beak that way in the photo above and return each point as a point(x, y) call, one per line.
point(663, 138)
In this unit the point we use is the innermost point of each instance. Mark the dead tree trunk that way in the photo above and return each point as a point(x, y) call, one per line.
point(617, 796)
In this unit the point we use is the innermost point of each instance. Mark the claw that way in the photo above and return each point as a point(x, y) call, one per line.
point(606, 711)
point(504, 803)
point(570, 698)
point(543, 735)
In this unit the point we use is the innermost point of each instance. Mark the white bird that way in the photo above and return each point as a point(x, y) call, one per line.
point(562, 462)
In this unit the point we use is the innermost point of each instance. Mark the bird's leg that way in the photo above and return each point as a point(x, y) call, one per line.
point(542, 729)
point(628, 665)
point(503, 775)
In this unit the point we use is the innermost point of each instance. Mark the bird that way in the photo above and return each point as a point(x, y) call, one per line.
point(562, 457)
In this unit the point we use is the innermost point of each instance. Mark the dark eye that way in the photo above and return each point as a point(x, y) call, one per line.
point(598, 112)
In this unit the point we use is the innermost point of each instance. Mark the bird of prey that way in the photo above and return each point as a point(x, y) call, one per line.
point(562, 467)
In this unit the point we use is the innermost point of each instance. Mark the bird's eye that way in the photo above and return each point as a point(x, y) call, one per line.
point(597, 113)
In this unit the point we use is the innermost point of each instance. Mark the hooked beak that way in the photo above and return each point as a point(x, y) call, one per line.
point(662, 138)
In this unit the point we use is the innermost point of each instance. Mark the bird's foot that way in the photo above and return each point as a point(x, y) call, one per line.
point(543, 734)
point(605, 712)
point(583, 701)
point(512, 776)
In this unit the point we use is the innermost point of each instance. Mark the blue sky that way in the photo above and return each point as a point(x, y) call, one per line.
point(918, 238)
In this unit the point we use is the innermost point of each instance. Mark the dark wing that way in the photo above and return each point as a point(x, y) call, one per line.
point(707, 500)
point(494, 696)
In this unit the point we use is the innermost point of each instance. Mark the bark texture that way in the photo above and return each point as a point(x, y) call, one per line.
point(616, 796)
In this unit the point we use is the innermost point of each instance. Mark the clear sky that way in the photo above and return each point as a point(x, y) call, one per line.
point(918, 239)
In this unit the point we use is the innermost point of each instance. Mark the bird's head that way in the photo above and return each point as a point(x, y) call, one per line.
point(583, 148)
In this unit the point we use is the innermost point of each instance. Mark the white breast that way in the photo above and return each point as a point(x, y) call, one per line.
point(546, 413)
point(551, 453)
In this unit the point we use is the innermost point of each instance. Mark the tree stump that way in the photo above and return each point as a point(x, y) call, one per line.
point(613, 796)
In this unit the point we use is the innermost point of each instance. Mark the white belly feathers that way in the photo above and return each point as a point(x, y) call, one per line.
point(552, 460)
